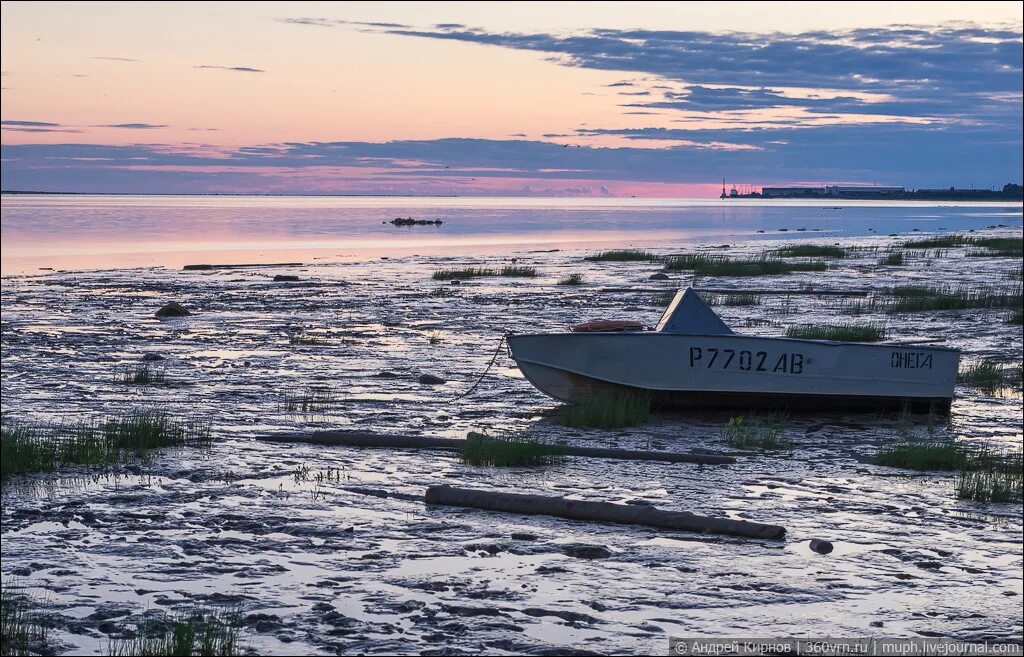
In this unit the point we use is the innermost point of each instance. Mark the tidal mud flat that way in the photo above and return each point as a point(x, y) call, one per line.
point(276, 532)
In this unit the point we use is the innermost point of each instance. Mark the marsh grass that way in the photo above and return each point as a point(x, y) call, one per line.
point(302, 338)
point(810, 251)
point(923, 299)
point(572, 279)
point(989, 375)
point(507, 451)
point(311, 401)
point(142, 375)
point(738, 299)
point(462, 274)
point(924, 454)
point(22, 630)
point(938, 242)
point(475, 272)
point(198, 631)
point(992, 246)
point(839, 332)
point(517, 272)
point(759, 431)
point(623, 255)
point(1001, 480)
point(662, 299)
point(1015, 317)
point(606, 411)
point(714, 265)
point(49, 447)
point(892, 259)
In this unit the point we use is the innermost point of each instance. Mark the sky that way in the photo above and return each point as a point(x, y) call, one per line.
point(547, 99)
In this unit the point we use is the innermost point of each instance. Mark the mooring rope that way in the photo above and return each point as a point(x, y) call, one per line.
point(481, 377)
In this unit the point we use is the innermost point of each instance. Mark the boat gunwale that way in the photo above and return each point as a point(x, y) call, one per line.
point(826, 343)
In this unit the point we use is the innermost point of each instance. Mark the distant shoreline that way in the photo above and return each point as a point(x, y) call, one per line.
point(21, 192)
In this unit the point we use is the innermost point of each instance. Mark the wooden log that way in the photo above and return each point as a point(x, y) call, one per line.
point(395, 441)
point(625, 514)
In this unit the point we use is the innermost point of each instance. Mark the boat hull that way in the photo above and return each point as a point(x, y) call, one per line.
point(731, 371)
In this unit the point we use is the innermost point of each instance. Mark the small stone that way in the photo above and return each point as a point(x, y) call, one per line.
point(431, 380)
point(152, 357)
point(584, 551)
point(285, 278)
point(660, 276)
point(821, 546)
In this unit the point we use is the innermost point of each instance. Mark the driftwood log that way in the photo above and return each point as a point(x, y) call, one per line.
point(625, 514)
point(394, 441)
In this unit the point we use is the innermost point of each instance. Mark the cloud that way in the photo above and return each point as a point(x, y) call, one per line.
point(951, 72)
point(132, 126)
point(924, 156)
point(35, 126)
point(32, 124)
point(237, 69)
point(117, 59)
point(335, 22)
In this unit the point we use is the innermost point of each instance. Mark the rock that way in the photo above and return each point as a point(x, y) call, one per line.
point(431, 380)
point(820, 546)
point(285, 278)
point(456, 282)
point(523, 536)
point(409, 221)
point(584, 551)
point(152, 357)
point(173, 309)
point(660, 276)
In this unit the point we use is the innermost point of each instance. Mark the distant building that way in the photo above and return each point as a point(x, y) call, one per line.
point(792, 192)
point(863, 190)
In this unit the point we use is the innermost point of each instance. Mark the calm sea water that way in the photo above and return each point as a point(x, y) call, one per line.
point(107, 232)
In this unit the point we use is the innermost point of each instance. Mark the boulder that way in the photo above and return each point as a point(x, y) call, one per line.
point(660, 276)
point(152, 357)
point(173, 309)
point(431, 380)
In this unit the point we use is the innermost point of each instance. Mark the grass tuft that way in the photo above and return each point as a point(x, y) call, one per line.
point(572, 279)
point(989, 375)
point(22, 631)
point(839, 332)
point(461, 274)
point(143, 375)
point(623, 255)
point(310, 401)
point(606, 411)
point(999, 481)
point(197, 631)
point(507, 451)
point(713, 265)
point(1007, 247)
point(514, 271)
point(892, 259)
point(48, 447)
point(810, 251)
point(918, 454)
point(923, 299)
point(738, 299)
point(475, 272)
point(757, 432)
point(1016, 317)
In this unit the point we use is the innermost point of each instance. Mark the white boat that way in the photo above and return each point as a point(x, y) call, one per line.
point(692, 359)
